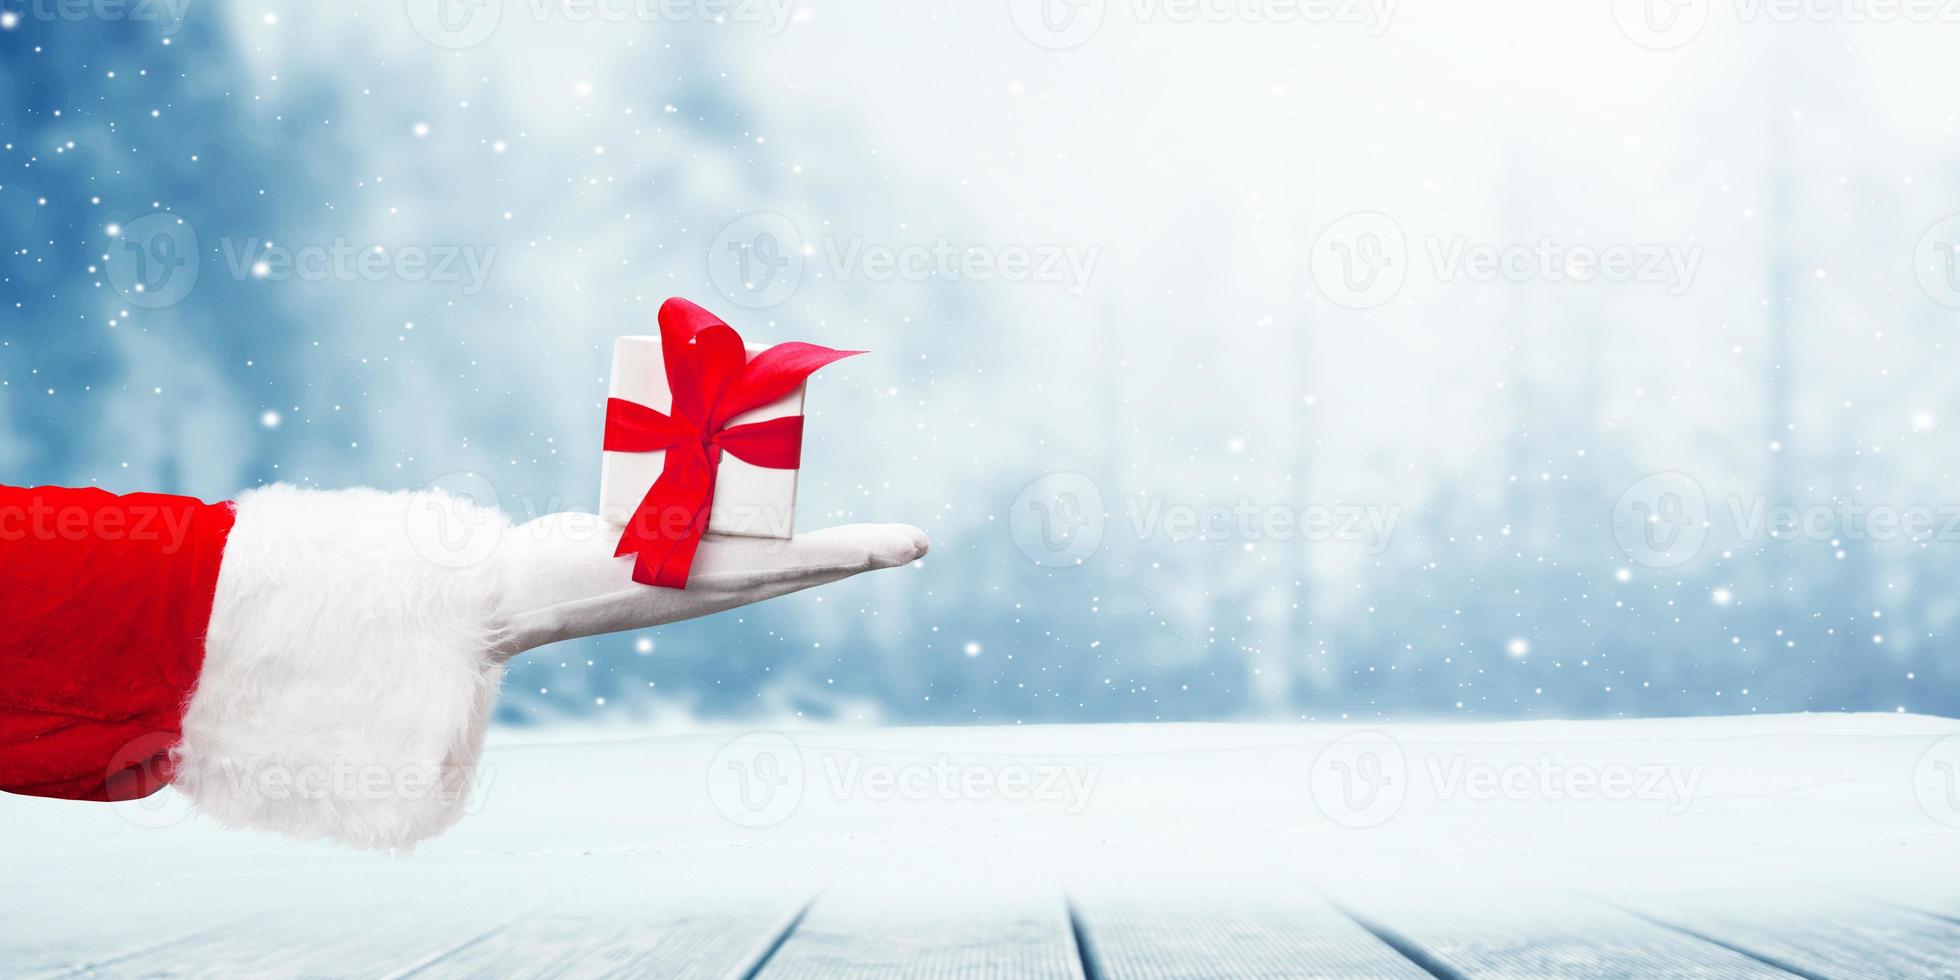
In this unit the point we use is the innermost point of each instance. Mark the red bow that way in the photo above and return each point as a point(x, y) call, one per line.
point(712, 381)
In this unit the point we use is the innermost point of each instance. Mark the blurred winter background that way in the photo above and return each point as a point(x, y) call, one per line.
point(1244, 358)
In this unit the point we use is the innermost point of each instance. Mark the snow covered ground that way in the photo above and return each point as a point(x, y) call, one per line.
point(1021, 848)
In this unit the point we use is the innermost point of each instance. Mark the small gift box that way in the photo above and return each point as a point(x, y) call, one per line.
point(757, 501)
point(703, 433)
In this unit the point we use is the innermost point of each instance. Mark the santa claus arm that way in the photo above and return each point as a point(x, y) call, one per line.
point(333, 657)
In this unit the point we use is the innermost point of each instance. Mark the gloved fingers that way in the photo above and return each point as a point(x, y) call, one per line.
point(833, 552)
point(562, 580)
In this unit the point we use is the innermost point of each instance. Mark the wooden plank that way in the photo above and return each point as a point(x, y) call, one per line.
point(1581, 942)
point(1852, 941)
point(34, 946)
point(1177, 938)
point(947, 933)
point(707, 945)
point(380, 941)
point(1943, 905)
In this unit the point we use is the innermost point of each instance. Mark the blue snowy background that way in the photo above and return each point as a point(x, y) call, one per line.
point(1221, 355)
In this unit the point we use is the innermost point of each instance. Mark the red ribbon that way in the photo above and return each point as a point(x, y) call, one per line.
point(712, 381)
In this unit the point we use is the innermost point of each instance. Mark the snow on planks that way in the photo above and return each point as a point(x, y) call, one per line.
point(298, 945)
point(904, 935)
point(1841, 939)
point(705, 945)
point(1569, 940)
point(37, 946)
point(1147, 936)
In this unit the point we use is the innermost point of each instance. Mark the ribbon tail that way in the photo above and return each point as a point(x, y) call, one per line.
point(671, 570)
point(776, 372)
point(667, 527)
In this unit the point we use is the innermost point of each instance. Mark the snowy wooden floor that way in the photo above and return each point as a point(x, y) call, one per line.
point(1809, 846)
point(1045, 937)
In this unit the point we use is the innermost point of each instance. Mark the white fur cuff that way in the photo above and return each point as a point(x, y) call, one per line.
point(348, 675)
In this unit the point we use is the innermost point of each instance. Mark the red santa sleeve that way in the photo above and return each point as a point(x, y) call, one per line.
point(104, 602)
point(314, 663)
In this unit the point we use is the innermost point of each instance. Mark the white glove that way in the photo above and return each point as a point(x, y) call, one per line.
point(561, 581)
